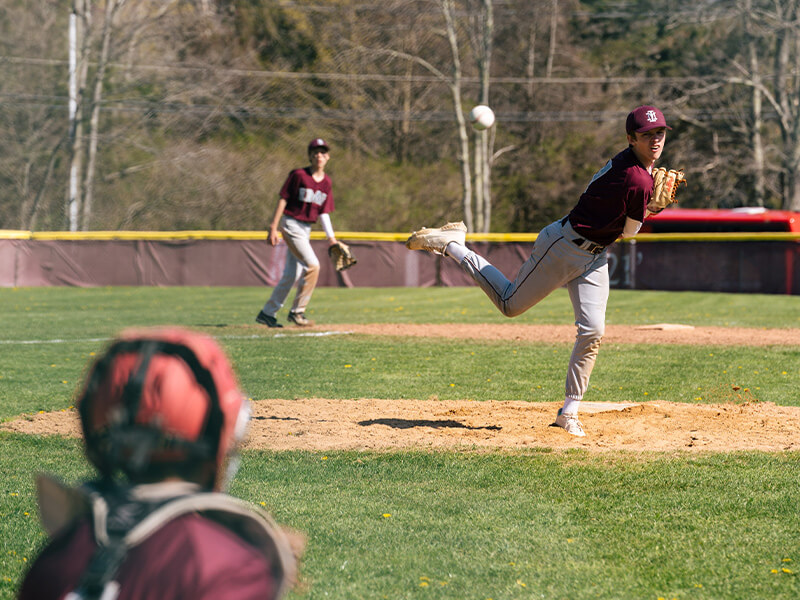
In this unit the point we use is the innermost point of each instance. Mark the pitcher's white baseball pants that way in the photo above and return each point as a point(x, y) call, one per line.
point(554, 262)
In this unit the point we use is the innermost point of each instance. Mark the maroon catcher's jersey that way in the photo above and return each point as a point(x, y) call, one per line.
point(622, 188)
point(189, 558)
point(305, 198)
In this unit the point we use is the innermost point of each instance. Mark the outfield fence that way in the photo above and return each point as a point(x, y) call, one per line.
point(765, 262)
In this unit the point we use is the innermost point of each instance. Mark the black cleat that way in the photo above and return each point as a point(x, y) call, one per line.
point(265, 319)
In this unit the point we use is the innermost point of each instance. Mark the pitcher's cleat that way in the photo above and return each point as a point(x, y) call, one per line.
point(570, 423)
point(436, 240)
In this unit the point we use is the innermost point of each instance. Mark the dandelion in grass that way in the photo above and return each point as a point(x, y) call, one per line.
point(348, 366)
point(386, 515)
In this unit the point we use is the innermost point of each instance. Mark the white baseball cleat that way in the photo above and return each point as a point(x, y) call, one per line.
point(570, 423)
point(436, 240)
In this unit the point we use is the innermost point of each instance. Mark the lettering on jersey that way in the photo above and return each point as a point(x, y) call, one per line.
point(312, 196)
point(599, 174)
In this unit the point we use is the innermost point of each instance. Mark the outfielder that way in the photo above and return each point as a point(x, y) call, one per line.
point(571, 252)
point(306, 195)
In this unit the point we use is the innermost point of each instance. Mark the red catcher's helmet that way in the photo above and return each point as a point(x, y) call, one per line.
point(162, 400)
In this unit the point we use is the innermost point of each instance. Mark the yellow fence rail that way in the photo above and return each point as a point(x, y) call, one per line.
point(762, 236)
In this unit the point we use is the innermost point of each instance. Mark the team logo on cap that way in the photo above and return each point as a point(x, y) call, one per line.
point(651, 116)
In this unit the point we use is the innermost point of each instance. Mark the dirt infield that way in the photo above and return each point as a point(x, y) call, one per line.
point(661, 333)
point(370, 424)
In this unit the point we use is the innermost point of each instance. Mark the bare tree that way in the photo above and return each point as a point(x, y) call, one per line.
point(80, 42)
point(772, 30)
point(482, 41)
point(786, 98)
point(94, 122)
point(756, 109)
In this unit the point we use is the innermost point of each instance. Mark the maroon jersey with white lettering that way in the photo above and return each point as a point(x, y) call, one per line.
point(622, 188)
point(305, 198)
point(189, 558)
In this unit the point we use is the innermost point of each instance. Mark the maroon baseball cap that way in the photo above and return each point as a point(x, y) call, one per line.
point(317, 143)
point(645, 118)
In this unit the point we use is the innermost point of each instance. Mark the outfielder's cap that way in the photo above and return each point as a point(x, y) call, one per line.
point(317, 143)
point(645, 118)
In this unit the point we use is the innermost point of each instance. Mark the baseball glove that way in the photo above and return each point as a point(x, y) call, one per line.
point(665, 184)
point(341, 255)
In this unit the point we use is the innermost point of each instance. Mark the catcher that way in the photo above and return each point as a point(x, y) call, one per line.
point(571, 252)
point(162, 418)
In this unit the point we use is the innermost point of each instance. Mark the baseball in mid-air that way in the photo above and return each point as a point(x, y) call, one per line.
point(481, 117)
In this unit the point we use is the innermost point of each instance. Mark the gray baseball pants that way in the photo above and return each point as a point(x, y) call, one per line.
point(302, 266)
point(556, 261)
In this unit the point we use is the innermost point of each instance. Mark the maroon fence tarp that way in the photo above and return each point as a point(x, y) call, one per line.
point(771, 267)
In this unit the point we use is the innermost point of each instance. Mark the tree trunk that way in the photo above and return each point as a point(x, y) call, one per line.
point(553, 29)
point(482, 164)
point(756, 109)
point(94, 122)
point(81, 11)
point(448, 10)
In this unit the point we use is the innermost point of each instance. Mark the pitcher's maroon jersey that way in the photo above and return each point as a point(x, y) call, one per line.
point(622, 188)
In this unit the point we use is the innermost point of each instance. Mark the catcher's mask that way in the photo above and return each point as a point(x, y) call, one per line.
point(163, 401)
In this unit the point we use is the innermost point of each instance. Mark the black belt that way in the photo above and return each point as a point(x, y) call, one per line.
point(584, 244)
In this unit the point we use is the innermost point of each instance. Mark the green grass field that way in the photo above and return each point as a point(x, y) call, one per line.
point(460, 525)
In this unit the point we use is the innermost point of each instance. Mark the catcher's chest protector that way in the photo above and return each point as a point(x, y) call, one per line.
point(121, 522)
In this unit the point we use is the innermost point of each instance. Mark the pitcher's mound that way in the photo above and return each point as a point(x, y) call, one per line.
point(368, 424)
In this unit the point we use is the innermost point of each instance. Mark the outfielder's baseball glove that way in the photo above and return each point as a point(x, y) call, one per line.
point(665, 184)
point(341, 255)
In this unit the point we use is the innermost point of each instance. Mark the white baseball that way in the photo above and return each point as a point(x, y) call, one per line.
point(481, 117)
